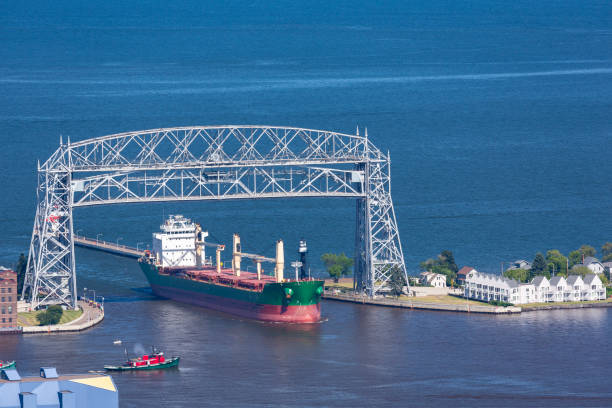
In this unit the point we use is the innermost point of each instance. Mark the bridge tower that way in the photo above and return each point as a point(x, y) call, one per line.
point(211, 163)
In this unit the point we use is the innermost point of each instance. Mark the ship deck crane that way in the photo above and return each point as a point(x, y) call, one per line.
point(237, 255)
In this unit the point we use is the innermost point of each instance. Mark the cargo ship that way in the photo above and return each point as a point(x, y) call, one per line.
point(177, 268)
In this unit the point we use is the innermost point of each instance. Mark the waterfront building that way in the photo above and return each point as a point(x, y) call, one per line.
point(487, 287)
point(541, 286)
point(574, 288)
point(593, 264)
point(462, 274)
point(51, 390)
point(8, 299)
point(558, 286)
point(593, 288)
point(436, 280)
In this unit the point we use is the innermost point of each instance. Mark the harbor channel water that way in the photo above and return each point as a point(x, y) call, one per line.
point(497, 119)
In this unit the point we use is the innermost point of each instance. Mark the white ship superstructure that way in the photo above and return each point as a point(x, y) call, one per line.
point(179, 244)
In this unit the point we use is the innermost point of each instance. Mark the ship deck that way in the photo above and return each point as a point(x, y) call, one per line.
point(246, 280)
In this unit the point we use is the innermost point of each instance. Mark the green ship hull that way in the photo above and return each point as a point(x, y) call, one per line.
point(290, 301)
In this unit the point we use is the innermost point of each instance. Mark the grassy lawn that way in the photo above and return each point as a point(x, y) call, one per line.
point(29, 318)
point(343, 283)
point(528, 305)
point(451, 300)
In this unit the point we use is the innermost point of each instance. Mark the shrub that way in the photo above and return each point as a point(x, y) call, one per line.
point(52, 315)
point(500, 303)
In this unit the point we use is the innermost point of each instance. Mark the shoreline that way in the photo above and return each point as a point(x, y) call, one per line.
point(460, 307)
point(411, 304)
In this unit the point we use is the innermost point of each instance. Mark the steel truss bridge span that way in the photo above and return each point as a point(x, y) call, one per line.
point(211, 163)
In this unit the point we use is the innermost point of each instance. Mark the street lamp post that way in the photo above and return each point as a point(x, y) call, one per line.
point(84, 293)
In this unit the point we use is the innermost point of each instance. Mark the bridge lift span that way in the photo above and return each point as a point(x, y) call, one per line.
point(210, 163)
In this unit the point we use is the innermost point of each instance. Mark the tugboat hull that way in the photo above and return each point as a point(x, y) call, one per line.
point(171, 362)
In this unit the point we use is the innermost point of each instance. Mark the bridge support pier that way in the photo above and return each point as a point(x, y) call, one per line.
point(50, 272)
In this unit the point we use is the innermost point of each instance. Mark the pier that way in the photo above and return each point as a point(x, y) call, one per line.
point(110, 247)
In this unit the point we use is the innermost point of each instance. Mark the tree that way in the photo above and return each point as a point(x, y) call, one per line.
point(587, 250)
point(521, 275)
point(575, 257)
point(337, 265)
point(448, 260)
point(604, 279)
point(397, 281)
point(606, 249)
point(444, 264)
point(21, 271)
point(557, 263)
point(52, 315)
point(538, 266)
point(428, 265)
point(581, 270)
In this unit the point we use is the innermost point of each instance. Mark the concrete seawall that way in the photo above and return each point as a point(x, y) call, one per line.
point(410, 304)
point(560, 306)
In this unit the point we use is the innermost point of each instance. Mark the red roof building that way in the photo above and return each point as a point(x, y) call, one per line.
point(462, 274)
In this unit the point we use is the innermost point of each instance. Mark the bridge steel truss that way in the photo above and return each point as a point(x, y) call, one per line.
point(211, 163)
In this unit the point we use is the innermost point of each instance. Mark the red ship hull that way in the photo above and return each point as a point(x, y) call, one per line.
point(265, 312)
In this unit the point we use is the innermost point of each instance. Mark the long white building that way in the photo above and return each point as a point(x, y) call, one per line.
point(487, 287)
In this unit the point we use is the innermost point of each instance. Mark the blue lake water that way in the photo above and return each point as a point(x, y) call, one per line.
point(497, 117)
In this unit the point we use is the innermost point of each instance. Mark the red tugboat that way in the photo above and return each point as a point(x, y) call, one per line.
point(6, 364)
point(154, 361)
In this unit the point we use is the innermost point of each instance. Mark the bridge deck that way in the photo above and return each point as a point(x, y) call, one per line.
point(109, 247)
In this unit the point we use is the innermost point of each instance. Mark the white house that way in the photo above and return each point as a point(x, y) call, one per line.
point(558, 286)
point(436, 280)
point(541, 286)
point(593, 288)
point(463, 273)
point(574, 288)
point(520, 264)
point(593, 264)
point(487, 287)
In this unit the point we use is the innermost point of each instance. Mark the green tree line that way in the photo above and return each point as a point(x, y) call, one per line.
point(554, 263)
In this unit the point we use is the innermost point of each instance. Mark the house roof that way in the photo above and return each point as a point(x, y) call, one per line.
point(589, 260)
point(556, 280)
point(572, 279)
point(538, 280)
point(589, 278)
point(465, 270)
point(511, 282)
point(607, 264)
